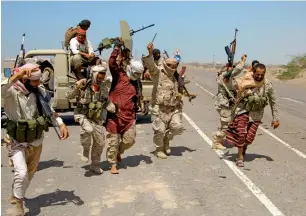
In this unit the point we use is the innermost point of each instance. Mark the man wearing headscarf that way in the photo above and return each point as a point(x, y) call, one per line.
point(225, 99)
point(121, 125)
point(25, 127)
point(72, 31)
point(92, 99)
point(254, 92)
point(166, 105)
point(82, 53)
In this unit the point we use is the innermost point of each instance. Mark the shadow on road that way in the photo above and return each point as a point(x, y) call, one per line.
point(247, 157)
point(50, 163)
point(178, 150)
point(129, 161)
point(141, 119)
point(51, 199)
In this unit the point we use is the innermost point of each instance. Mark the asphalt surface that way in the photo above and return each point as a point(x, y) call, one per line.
point(194, 180)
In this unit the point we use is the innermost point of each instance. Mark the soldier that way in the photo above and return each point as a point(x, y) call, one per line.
point(224, 102)
point(254, 92)
point(92, 98)
point(121, 125)
point(166, 105)
point(72, 31)
point(25, 127)
point(82, 53)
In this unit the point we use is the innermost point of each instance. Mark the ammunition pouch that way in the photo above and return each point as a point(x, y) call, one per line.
point(92, 111)
point(255, 103)
point(27, 130)
point(81, 109)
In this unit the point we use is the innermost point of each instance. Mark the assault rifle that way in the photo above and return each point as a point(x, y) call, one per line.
point(230, 52)
point(181, 81)
point(46, 110)
point(20, 57)
point(108, 42)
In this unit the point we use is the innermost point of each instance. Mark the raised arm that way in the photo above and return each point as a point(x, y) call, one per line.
point(237, 70)
point(149, 61)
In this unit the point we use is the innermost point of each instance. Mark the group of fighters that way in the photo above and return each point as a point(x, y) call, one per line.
point(240, 103)
point(97, 107)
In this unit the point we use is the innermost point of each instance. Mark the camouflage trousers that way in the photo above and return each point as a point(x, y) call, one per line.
point(91, 130)
point(225, 119)
point(166, 123)
point(25, 162)
point(118, 143)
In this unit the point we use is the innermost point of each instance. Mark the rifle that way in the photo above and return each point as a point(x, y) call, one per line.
point(230, 51)
point(181, 81)
point(20, 57)
point(108, 42)
point(46, 110)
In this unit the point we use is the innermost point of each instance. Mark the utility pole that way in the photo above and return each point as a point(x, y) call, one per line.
point(214, 61)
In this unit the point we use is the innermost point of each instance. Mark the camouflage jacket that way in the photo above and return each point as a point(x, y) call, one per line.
point(87, 96)
point(267, 91)
point(165, 86)
point(226, 89)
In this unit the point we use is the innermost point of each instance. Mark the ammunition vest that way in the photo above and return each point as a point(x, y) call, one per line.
point(27, 130)
point(93, 109)
point(256, 102)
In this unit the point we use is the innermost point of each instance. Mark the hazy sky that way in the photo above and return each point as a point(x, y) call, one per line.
point(268, 31)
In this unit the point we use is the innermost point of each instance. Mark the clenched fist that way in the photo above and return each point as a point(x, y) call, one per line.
point(150, 48)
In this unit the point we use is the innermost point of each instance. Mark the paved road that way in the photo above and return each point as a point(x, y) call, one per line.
point(194, 181)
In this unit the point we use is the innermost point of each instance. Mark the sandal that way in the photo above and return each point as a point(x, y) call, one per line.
point(240, 163)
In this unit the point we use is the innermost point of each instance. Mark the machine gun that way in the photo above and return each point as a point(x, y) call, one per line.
point(20, 57)
point(230, 52)
point(126, 35)
point(181, 81)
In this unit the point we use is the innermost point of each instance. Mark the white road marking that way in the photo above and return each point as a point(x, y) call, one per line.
point(292, 100)
point(251, 186)
point(299, 153)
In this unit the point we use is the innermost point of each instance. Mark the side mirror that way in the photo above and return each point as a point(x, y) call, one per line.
point(7, 72)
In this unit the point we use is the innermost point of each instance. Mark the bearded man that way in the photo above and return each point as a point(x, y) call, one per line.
point(254, 93)
point(24, 98)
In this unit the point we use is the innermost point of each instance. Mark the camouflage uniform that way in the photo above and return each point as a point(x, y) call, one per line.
point(166, 106)
point(224, 104)
point(90, 128)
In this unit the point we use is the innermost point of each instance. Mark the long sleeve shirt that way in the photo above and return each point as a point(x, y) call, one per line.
point(19, 106)
point(77, 47)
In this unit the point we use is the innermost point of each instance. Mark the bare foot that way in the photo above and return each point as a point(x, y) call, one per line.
point(114, 170)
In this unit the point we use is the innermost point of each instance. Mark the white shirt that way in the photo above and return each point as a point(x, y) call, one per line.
point(75, 46)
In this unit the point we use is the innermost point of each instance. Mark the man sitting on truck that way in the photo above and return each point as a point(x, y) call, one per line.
point(82, 53)
point(72, 31)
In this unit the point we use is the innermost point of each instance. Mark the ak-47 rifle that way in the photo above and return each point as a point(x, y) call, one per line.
point(20, 57)
point(181, 81)
point(108, 42)
point(46, 110)
point(230, 51)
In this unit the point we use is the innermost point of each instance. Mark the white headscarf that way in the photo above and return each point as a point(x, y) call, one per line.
point(134, 69)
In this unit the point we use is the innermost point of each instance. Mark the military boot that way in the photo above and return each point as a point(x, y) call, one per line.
point(160, 153)
point(85, 155)
point(167, 146)
point(18, 209)
point(96, 169)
